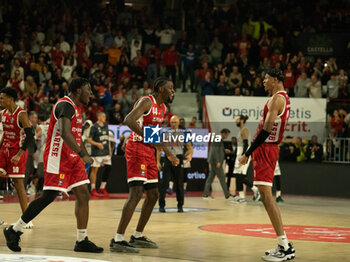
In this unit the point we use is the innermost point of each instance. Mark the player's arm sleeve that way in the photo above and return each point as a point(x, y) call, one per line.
point(262, 136)
point(29, 141)
point(64, 109)
point(245, 145)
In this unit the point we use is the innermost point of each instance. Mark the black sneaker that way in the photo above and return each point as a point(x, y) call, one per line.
point(87, 246)
point(162, 210)
point(122, 246)
point(142, 242)
point(180, 210)
point(279, 254)
point(279, 199)
point(12, 238)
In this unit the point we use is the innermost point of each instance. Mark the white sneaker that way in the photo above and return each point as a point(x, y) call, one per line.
point(208, 198)
point(30, 225)
point(240, 200)
point(279, 254)
point(231, 198)
point(256, 196)
point(31, 189)
point(1, 197)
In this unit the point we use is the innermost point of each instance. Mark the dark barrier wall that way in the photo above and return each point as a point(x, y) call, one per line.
point(297, 178)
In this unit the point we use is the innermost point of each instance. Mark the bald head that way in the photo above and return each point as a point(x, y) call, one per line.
point(174, 122)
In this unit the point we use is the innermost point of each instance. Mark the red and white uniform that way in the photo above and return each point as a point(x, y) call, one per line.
point(140, 158)
point(63, 168)
point(13, 137)
point(266, 155)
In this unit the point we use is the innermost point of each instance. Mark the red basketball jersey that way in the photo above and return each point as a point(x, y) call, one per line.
point(153, 117)
point(57, 155)
point(278, 128)
point(13, 132)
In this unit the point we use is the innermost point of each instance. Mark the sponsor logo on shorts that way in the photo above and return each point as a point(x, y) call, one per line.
point(143, 167)
point(142, 173)
point(61, 176)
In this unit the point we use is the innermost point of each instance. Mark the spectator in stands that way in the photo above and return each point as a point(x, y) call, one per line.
point(235, 79)
point(45, 109)
point(30, 87)
point(216, 50)
point(134, 47)
point(258, 87)
point(170, 62)
point(332, 146)
point(289, 79)
point(166, 37)
point(193, 123)
point(337, 122)
point(259, 27)
point(119, 39)
point(347, 126)
point(300, 88)
point(243, 45)
point(314, 150)
point(16, 82)
point(314, 86)
point(298, 142)
point(153, 60)
point(333, 86)
point(222, 88)
point(68, 67)
point(115, 116)
point(264, 45)
point(189, 63)
point(289, 151)
point(32, 72)
point(207, 85)
point(219, 70)
point(113, 54)
point(16, 65)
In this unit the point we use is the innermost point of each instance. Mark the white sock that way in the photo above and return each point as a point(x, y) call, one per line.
point(241, 194)
point(81, 234)
point(278, 193)
point(255, 189)
point(119, 237)
point(19, 225)
point(93, 186)
point(138, 234)
point(283, 241)
point(103, 185)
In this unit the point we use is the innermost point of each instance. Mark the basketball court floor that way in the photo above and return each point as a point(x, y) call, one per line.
point(209, 230)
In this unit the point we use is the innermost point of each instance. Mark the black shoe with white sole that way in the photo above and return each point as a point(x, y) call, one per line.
point(12, 239)
point(142, 242)
point(279, 254)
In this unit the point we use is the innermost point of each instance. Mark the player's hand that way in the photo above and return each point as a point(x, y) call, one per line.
point(188, 157)
point(100, 146)
point(218, 165)
point(159, 166)
point(242, 160)
point(174, 160)
point(87, 159)
point(15, 159)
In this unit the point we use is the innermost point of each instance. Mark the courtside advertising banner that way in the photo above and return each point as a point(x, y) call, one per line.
point(307, 115)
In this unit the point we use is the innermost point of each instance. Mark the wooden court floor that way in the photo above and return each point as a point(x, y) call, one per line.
point(179, 236)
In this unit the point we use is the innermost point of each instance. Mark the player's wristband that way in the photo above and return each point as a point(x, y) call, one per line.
point(81, 153)
point(257, 142)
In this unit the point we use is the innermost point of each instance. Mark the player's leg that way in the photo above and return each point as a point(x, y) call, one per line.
point(277, 181)
point(137, 239)
point(93, 174)
point(21, 193)
point(13, 233)
point(221, 176)
point(105, 175)
point(164, 184)
point(209, 181)
point(118, 243)
point(83, 244)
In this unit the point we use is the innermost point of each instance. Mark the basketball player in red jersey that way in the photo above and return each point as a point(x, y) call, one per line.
point(264, 151)
point(142, 170)
point(18, 137)
point(64, 160)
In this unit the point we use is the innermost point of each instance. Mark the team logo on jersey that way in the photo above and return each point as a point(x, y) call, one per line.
point(61, 176)
point(143, 167)
point(12, 120)
point(151, 134)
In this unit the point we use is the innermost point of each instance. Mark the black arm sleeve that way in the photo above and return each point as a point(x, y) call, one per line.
point(245, 145)
point(64, 109)
point(257, 142)
point(29, 141)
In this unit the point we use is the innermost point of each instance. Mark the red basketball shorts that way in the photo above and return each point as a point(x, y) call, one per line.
point(264, 163)
point(141, 163)
point(9, 169)
point(69, 178)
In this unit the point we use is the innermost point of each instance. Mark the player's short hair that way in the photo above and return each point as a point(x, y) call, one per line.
point(10, 92)
point(225, 131)
point(160, 81)
point(77, 83)
point(32, 113)
point(274, 72)
point(244, 118)
point(100, 113)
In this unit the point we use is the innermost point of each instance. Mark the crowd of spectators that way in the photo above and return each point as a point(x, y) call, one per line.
point(45, 44)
